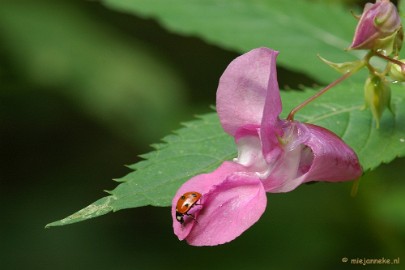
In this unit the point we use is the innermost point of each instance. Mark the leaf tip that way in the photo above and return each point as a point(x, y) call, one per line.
point(98, 208)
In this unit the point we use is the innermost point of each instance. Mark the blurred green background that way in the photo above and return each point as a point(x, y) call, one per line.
point(85, 90)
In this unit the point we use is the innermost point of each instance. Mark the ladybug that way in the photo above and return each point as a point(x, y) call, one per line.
point(185, 203)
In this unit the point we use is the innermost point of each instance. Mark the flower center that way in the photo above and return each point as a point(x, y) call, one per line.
point(295, 160)
point(250, 154)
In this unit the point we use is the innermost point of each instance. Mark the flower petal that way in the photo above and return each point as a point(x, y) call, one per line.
point(242, 90)
point(229, 209)
point(283, 176)
point(271, 130)
point(333, 159)
point(250, 152)
point(202, 184)
point(312, 154)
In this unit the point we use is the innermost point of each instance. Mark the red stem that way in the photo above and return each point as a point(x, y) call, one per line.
point(290, 116)
point(395, 61)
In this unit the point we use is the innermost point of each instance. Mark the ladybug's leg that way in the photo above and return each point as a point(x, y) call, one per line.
point(190, 215)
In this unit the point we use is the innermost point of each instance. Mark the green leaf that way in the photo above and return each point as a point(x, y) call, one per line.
point(201, 145)
point(300, 30)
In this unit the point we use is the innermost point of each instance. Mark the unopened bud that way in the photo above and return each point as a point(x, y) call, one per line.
point(379, 28)
point(378, 96)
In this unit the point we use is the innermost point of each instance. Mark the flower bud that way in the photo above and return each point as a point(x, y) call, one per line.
point(377, 95)
point(379, 28)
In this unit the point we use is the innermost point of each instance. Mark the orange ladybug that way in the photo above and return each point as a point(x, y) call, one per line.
point(185, 203)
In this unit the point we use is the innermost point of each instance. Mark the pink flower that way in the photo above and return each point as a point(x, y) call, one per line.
point(377, 24)
point(274, 155)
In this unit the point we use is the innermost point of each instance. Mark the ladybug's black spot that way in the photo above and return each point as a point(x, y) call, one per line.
point(186, 205)
point(183, 197)
point(194, 195)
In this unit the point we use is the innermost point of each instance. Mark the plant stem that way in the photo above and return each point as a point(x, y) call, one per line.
point(290, 116)
point(395, 61)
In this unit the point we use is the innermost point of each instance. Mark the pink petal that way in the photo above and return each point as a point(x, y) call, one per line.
point(314, 154)
point(228, 210)
point(202, 184)
point(333, 159)
point(242, 90)
point(271, 129)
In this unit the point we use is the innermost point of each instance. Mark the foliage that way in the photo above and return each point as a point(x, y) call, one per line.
point(240, 25)
point(202, 145)
point(85, 87)
point(320, 28)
